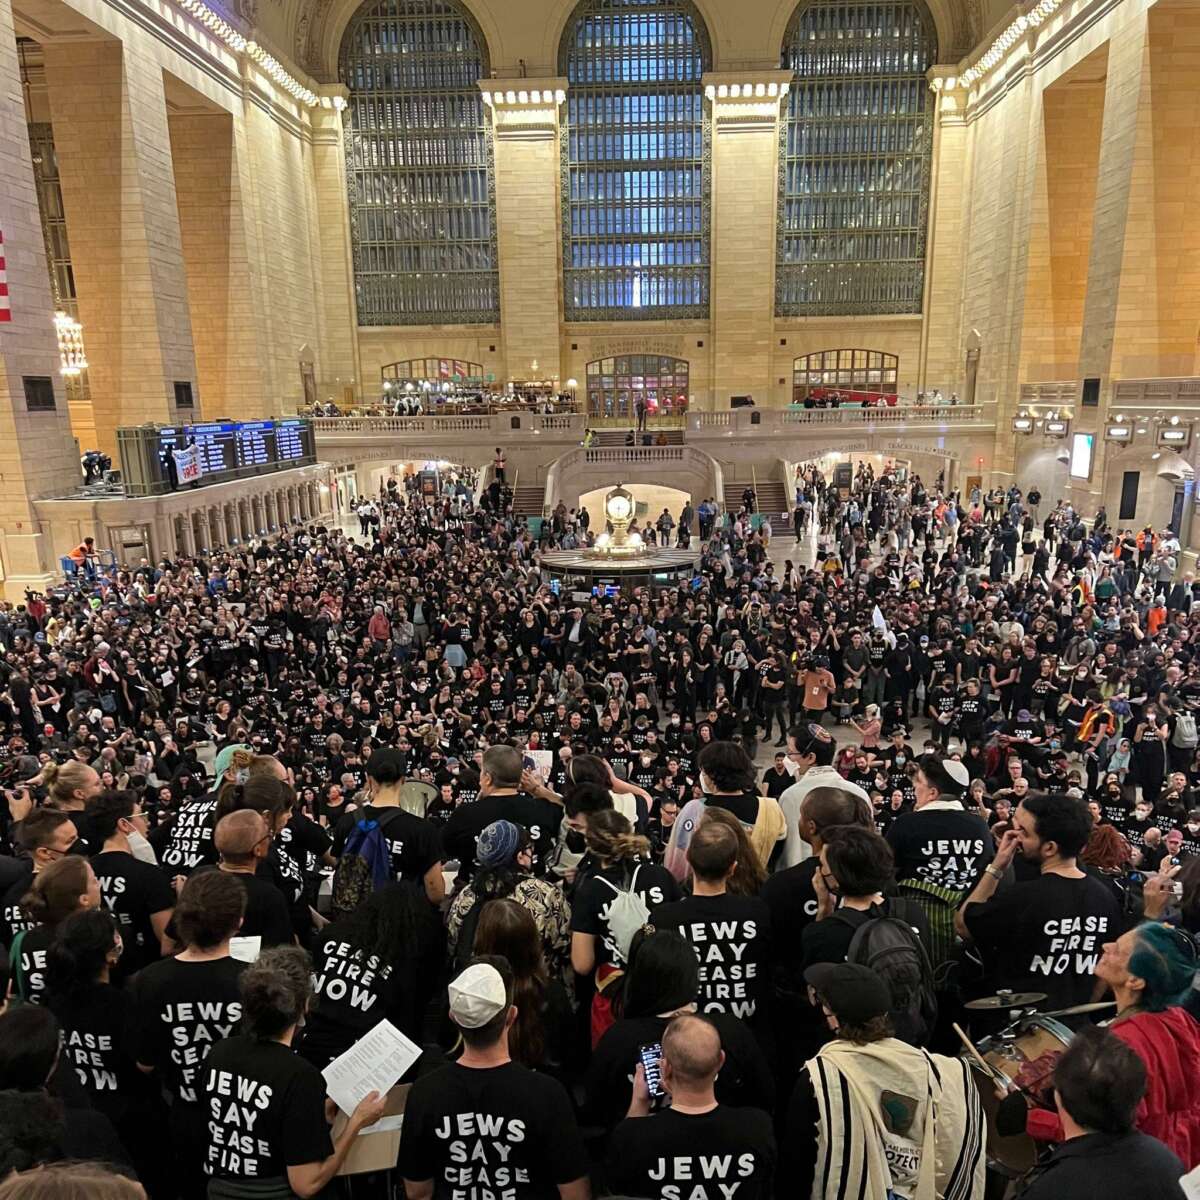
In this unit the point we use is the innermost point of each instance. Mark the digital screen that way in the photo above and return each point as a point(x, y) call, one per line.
point(232, 449)
point(1081, 455)
point(218, 450)
point(289, 439)
point(255, 443)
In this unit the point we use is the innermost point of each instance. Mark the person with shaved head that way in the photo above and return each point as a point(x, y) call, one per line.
point(242, 839)
point(677, 1140)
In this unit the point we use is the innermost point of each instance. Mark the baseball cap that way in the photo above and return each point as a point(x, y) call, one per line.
point(476, 996)
point(853, 993)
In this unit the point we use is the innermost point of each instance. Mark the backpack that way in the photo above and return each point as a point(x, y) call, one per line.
point(889, 945)
point(365, 865)
point(1184, 736)
point(626, 914)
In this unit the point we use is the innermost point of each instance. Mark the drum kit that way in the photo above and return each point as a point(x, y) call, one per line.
point(1019, 1058)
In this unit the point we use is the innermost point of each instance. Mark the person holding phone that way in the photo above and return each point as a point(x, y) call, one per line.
point(697, 1147)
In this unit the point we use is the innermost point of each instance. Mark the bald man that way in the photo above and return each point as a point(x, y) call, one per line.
point(243, 841)
point(695, 1148)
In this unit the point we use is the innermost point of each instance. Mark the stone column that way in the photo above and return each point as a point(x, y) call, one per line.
point(1125, 232)
point(110, 127)
point(272, 501)
point(38, 455)
point(218, 242)
point(528, 229)
point(942, 365)
point(188, 536)
point(745, 189)
point(339, 356)
point(217, 525)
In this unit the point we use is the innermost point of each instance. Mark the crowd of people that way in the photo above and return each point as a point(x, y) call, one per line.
point(258, 801)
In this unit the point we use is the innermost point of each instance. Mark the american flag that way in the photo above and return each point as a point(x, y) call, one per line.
point(5, 307)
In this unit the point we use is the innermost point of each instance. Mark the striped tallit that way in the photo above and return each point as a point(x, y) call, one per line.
point(894, 1120)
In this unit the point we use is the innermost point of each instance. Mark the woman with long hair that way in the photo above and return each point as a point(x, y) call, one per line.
point(66, 886)
point(383, 959)
point(749, 876)
point(97, 1020)
point(539, 1036)
point(622, 869)
point(663, 982)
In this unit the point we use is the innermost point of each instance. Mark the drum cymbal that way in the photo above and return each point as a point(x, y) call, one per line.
point(1081, 1008)
point(1005, 1000)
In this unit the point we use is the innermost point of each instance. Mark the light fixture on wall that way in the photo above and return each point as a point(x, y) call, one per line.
point(70, 345)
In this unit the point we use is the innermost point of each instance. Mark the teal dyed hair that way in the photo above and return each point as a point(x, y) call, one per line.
point(1165, 958)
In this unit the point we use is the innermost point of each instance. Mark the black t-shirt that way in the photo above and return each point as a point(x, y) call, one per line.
point(184, 1009)
point(98, 1043)
point(191, 839)
point(498, 1131)
point(745, 1077)
point(595, 895)
point(33, 953)
point(414, 843)
point(777, 782)
point(541, 818)
point(133, 891)
point(828, 941)
point(354, 990)
point(708, 1156)
point(266, 1110)
point(266, 911)
point(12, 915)
point(1046, 936)
point(945, 847)
point(792, 901)
point(732, 939)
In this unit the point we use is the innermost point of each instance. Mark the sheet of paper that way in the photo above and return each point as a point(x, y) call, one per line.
point(373, 1064)
point(390, 1124)
point(1191, 1184)
point(245, 949)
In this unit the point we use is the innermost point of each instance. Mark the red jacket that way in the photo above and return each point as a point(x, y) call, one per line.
point(1169, 1045)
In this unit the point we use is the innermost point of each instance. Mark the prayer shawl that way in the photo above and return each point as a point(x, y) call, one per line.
point(875, 1137)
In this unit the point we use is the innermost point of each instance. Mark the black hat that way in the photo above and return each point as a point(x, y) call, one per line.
point(853, 993)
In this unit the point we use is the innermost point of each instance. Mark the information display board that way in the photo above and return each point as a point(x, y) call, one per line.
point(228, 450)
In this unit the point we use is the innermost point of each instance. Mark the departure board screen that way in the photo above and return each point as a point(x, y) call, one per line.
point(290, 438)
point(235, 449)
point(217, 444)
point(255, 443)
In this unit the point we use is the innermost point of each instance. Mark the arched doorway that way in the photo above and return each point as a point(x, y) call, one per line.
point(614, 385)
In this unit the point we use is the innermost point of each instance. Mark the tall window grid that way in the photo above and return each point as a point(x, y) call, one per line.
point(419, 165)
point(855, 160)
point(636, 161)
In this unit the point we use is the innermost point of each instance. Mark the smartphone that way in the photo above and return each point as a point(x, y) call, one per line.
point(650, 1056)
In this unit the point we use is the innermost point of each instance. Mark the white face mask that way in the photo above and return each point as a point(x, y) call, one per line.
point(140, 848)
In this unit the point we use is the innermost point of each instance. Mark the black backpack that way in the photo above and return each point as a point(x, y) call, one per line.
point(890, 945)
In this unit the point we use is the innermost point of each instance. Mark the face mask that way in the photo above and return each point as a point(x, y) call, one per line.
point(1142, 814)
point(140, 848)
point(899, 760)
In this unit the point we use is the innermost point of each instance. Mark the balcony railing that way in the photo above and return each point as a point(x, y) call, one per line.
point(739, 422)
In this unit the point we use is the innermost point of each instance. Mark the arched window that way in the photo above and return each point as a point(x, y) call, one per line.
point(844, 371)
point(419, 165)
point(614, 385)
point(854, 166)
point(635, 161)
point(433, 370)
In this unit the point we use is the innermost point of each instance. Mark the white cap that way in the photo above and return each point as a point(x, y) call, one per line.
point(957, 772)
point(476, 996)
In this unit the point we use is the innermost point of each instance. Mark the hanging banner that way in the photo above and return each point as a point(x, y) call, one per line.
point(187, 464)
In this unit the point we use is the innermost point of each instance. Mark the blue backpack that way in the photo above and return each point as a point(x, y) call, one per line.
point(365, 865)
